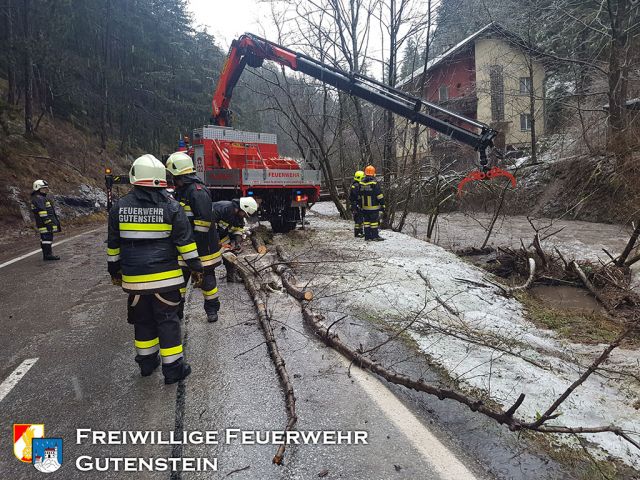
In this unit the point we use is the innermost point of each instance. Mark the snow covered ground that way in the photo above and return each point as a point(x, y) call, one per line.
point(508, 356)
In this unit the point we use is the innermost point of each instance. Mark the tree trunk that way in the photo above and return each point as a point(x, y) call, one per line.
point(532, 112)
point(104, 113)
point(618, 77)
point(12, 95)
point(28, 70)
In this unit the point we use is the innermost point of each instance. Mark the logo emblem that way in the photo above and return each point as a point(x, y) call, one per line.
point(23, 435)
point(47, 454)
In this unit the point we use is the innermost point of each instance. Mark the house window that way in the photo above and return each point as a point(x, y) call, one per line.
point(525, 122)
point(496, 79)
point(443, 93)
point(525, 85)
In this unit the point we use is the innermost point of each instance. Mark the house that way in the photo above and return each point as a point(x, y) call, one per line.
point(492, 77)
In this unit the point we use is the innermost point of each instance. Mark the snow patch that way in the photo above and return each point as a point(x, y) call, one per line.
point(540, 365)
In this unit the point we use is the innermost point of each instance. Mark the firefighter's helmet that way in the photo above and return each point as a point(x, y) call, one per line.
point(180, 163)
point(358, 176)
point(38, 184)
point(248, 205)
point(148, 171)
point(370, 171)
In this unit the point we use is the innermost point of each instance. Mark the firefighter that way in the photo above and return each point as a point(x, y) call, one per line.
point(47, 221)
point(355, 208)
point(146, 227)
point(195, 199)
point(371, 202)
point(229, 217)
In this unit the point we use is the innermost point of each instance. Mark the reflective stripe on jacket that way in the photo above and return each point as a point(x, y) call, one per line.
point(44, 213)
point(370, 196)
point(196, 203)
point(230, 225)
point(146, 228)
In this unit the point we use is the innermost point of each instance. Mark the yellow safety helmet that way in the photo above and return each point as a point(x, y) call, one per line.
point(148, 171)
point(358, 176)
point(180, 163)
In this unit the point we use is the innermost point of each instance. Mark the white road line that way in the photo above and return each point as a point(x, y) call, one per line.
point(443, 460)
point(26, 255)
point(15, 377)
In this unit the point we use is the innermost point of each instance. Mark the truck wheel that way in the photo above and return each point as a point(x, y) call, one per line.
point(280, 225)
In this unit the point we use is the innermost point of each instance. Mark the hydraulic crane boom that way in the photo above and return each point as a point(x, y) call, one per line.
point(252, 50)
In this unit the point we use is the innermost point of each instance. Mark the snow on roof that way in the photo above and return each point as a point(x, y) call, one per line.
point(455, 49)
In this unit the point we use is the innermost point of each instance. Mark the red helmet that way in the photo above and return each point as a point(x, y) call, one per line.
point(370, 171)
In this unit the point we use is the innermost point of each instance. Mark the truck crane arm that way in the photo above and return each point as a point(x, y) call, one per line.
point(249, 49)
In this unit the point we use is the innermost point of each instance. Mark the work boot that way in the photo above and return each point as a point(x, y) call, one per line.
point(176, 371)
point(357, 232)
point(212, 317)
point(378, 239)
point(147, 363)
point(47, 253)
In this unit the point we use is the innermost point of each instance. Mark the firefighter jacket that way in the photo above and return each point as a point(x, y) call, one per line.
point(230, 225)
point(46, 218)
point(146, 227)
point(353, 195)
point(196, 202)
point(370, 196)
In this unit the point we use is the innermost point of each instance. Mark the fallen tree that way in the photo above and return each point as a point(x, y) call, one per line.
point(274, 353)
point(505, 417)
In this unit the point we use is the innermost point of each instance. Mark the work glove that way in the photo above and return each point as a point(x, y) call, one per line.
point(117, 281)
point(197, 278)
point(237, 249)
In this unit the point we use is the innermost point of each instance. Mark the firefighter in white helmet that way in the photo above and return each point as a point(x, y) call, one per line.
point(47, 221)
point(195, 199)
point(229, 217)
point(146, 227)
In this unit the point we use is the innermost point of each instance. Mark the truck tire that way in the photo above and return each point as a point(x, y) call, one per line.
point(280, 225)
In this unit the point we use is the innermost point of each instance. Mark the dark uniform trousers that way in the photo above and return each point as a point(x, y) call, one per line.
point(209, 290)
point(157, 330)
point(358, 219)
point(371, 220)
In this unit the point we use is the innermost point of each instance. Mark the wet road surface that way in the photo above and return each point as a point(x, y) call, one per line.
point(69, 317)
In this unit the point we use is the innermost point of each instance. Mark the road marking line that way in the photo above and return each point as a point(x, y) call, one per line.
point(15, 377)
point(443, 460)
point(26, 255)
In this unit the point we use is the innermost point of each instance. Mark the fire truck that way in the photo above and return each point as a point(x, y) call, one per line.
point(236, 163)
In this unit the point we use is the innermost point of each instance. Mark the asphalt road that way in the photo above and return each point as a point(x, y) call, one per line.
point(69, 317)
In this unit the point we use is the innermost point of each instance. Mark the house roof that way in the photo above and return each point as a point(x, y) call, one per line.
point(493, 27)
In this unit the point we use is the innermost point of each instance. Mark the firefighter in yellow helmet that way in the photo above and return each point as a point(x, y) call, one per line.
point(358, 230)
point(146, 227)
point(47, 221)
point(371, 201)
point(195, 199)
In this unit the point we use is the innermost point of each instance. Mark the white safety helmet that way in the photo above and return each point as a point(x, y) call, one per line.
point(38, 184)
point(248, 205)
point(148, 171)
point(180, 163)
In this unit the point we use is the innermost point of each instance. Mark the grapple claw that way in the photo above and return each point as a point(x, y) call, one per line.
point(492, 173)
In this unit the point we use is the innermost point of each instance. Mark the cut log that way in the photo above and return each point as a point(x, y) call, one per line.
point(290, 283)
point(282, 255)
point(258, 242)
point(274, 353)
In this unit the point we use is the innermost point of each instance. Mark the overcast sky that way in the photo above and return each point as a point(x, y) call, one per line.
point(227, 19)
